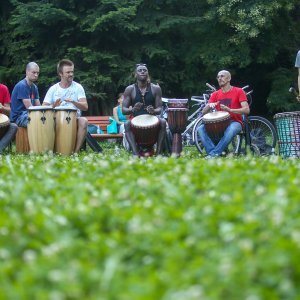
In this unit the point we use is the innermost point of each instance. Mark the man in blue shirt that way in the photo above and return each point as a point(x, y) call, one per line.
point(25, 94)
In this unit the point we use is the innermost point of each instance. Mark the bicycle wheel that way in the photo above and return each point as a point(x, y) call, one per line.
point(232, 149)
point(262, 134)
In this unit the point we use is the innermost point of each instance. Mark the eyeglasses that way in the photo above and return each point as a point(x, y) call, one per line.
point(140, 70)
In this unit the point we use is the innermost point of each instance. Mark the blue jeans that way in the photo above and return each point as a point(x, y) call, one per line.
point(215, 150)
point(8, 137)
point(22, 120)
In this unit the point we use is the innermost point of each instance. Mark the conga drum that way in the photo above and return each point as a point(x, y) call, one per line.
point(288, 131)
point(4, 124)
point(145, 129)
point(40, 128)
point(216, 123)
point(177, 119)
point(65, 129)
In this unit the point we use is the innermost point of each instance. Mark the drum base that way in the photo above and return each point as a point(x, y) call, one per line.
point(177, 144)
point(146, 151)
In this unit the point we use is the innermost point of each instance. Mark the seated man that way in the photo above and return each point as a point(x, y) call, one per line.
point(69, 94)
point(25, 94)
point(5, 109)
point(141, 98)
point(231, 99)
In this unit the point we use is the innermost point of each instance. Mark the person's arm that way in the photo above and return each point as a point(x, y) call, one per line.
point(115, 115)
point(5, 109)
point(80, 104)
point(243, 110)
point(158, 102)
point(27, 103)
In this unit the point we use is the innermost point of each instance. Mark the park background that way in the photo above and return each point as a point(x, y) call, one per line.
point(184, 43)
point(107, 226)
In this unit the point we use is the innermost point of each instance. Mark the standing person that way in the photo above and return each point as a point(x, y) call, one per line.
point(70, 94)
point(25, 94)
point(140, 98)
point(118, 115)
point(297, 65)
point(231, 99)
point(5, 109)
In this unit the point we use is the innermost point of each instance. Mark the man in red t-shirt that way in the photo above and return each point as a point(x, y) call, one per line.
point(232, 100)
point(5, 109)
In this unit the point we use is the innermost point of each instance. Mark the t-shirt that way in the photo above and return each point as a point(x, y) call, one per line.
point(297, 62)
point(75, 92)
point(22, 90)
point(232, 99)
point(4, 94)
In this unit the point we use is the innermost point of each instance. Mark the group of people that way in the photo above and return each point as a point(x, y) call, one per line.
point(142, 97)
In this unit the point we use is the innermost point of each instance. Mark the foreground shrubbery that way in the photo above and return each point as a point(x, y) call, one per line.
point(109, 227)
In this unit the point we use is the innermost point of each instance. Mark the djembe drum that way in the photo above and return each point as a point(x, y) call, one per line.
point(288, 130)
point(4, 124)
point(216, 123)
point(65, 129)
point(40, 128)
point(177, 119)
point(145, 129)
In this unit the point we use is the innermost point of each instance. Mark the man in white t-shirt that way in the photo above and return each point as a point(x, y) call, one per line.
point(68, 93)
point(297, 65)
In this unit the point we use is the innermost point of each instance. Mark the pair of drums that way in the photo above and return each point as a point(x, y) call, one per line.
point(52, 129)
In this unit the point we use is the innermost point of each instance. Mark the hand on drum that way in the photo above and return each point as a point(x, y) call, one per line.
point(68, 100)
point(225, 108)
point(137, 106)
point(57, 102)
point(150, 109)
point(213, 105)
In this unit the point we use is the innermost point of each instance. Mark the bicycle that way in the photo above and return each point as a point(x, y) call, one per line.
point(258, 135)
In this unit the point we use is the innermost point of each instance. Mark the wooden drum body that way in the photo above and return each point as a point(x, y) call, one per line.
point(40, 128)
point(4, 124)
point(65, 129)
point(145, 129)
point(177, 119)
point(288, 130)
point(216, 123)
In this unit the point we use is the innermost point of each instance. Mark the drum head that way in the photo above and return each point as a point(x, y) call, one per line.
point(40, 107)
point(144, 121)
point(3, 119)
point(65, 108)
point(216, 115)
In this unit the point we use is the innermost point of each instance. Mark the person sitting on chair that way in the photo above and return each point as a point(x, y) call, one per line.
point(118, 115)
point(297, 65)
point(232, 100)
point(69, 94)
point(140, 98)
point(25, 94)
point(5, 109)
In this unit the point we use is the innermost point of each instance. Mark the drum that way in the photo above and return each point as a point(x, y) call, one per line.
point(40, 128)
point(145, 129)
point(4, 124)
point(177, 119)
point(215, 124)
point(288, 131)
point(65, 129)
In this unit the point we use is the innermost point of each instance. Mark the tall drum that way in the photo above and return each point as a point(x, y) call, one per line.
point(288, 130)
point(65, 129)
point(177, 119)
point(40, 128)
point(145, 129)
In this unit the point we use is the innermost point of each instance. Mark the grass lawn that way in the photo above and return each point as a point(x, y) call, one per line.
point(106, 226)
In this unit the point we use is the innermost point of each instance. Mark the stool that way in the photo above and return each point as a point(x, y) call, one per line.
point(22, 143)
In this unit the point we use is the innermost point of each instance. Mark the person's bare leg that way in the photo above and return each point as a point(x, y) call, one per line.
point(161, 135)
point(81, 133)
point(131, 139)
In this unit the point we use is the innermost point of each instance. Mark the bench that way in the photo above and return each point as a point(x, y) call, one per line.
point(102, 121)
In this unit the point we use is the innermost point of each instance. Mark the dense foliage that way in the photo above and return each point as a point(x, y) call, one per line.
point(108, 227)
point(184, 43)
